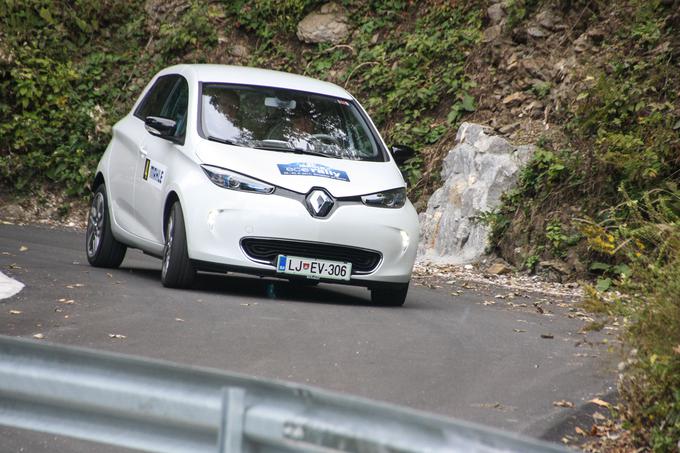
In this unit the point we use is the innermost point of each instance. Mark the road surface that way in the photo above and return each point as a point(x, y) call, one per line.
point(448, 354)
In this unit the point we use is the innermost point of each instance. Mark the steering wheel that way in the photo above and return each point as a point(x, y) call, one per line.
point(326, 139)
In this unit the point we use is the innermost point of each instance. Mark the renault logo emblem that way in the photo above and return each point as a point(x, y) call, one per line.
point(319, 203)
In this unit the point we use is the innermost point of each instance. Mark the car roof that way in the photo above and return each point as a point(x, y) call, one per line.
point(255, 76)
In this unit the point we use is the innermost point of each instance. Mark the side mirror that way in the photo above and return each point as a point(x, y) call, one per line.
point(161, 127)
point(402, 153)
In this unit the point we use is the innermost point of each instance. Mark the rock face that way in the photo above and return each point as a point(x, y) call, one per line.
point(328, 24)
point(476, 172)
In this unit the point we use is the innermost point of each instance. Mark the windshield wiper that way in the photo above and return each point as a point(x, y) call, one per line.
point(292, 150)
point(226, 141)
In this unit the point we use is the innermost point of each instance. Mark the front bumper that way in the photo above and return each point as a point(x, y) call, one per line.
point(219, 219)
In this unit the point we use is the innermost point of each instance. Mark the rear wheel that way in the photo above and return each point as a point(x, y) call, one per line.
point(102, 249)
point(177, 271)
point(390, 296)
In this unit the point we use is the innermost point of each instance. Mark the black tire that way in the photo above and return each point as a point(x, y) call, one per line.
point(177, 271)
point(391, 296)
point(101, 248)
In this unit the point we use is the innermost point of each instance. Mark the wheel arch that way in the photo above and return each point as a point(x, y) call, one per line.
point(97, 181)
point(171, 198)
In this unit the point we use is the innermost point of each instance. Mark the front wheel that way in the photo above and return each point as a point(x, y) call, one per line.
point(390, 296)
point(102, 249)
point(177, 271)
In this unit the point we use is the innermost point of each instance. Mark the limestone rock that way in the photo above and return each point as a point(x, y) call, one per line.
point(476, 173)
point(328, 24)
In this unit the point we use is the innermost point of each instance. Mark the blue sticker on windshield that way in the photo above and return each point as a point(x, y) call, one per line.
point(307, 169)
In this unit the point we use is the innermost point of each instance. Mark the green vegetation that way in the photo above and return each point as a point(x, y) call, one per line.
point(619, 170)
point(68, 72)
point(52, 125)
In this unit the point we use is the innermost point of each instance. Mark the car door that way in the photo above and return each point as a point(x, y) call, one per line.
point(155, 161)
point(128, 144)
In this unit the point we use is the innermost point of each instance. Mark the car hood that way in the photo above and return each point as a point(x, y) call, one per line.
point(300, 172)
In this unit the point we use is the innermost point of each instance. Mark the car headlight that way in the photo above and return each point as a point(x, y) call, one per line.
point(394, 198)
point(235, 181)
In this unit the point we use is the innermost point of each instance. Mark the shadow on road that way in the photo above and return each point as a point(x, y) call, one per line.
point(266, 288)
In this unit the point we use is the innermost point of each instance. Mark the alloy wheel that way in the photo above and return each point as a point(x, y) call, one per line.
point(95, 224)
point(169, 236)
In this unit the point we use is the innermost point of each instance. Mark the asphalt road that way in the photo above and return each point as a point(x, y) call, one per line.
point(451, 355)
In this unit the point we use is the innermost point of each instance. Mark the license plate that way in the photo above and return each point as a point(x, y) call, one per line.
point(313, 268)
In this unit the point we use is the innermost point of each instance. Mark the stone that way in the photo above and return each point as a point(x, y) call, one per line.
point(597, 35)
point(519, 35)
point(239, 51)
point(495, 13)
point(11, 211)
point(556, 265)
point(492, 33)
point(581, 43)
point(329, 24)
point(536, 109)
point(553, 271)
point(508, 128)
point(499, 268)
point(476, 173)
point(548, 19)
point(160, 12)
point(514, 99)
point(536, 32)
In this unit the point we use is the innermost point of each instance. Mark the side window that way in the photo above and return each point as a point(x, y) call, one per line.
point(155, 100)
point(176, 105)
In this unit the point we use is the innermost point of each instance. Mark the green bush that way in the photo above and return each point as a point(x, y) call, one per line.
point(650, 388)
point(57, 90)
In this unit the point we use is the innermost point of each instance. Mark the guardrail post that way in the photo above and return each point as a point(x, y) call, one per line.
point(230, 439)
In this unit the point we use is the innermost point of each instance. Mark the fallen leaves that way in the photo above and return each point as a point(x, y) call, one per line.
point(75, 285)
point(23, 248)
point(563, 403)
point(117, 336)
point(548, 336)
point(67, 301)
point(599, 402)
point(677, 349)
point(15, 312)
point(38, 336)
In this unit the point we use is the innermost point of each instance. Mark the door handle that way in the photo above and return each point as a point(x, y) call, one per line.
point(142, 151)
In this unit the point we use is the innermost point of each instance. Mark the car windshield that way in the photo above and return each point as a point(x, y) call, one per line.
point(286, 120)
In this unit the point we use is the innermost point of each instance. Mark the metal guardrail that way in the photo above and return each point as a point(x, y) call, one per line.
point(157, 406)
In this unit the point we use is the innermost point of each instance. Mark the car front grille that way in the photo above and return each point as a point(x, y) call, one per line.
point(266, 250)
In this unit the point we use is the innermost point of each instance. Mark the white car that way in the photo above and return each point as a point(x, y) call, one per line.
point(224, 168)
